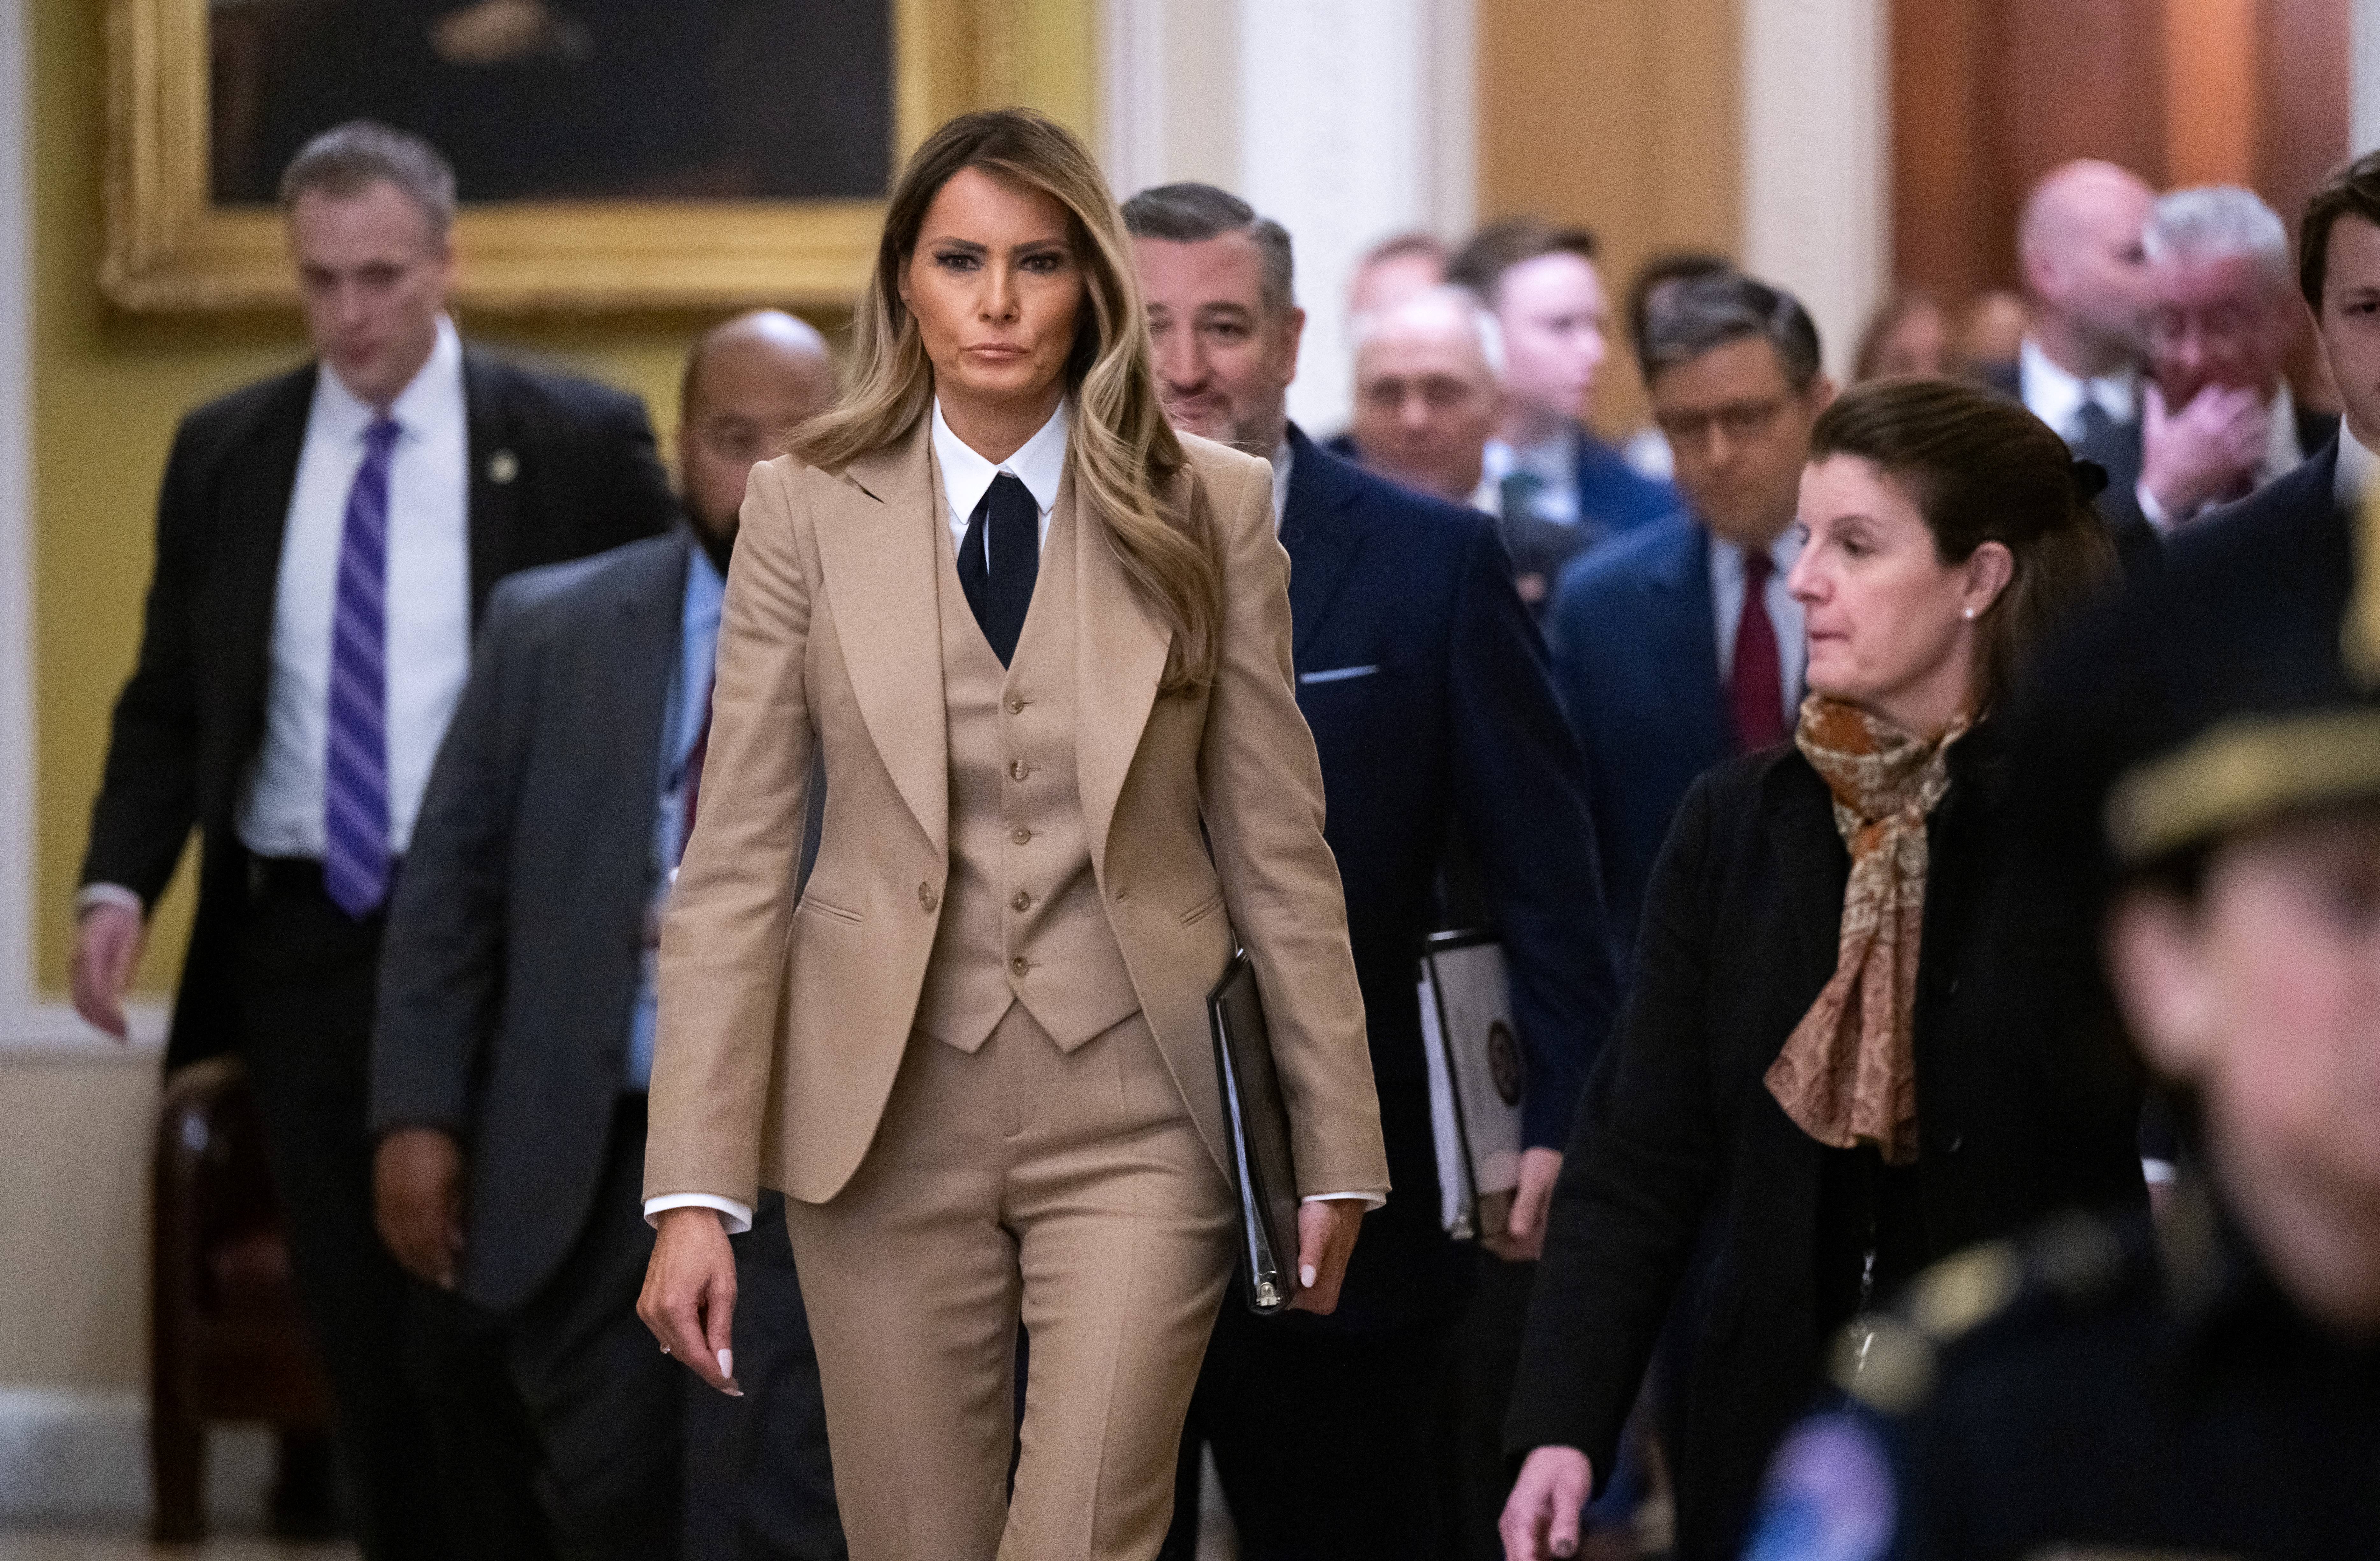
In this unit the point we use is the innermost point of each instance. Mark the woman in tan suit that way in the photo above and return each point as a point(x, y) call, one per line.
point(1036, 638)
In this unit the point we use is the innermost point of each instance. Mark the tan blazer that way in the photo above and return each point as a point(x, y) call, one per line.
point(782, 1026)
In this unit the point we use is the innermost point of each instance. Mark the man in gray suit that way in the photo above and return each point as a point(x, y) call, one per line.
point(516, 1009)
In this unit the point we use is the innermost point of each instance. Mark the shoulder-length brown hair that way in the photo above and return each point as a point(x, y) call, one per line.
point(1121, 453)
point(1981, 469)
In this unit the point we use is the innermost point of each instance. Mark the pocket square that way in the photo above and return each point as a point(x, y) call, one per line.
point(1338, 674)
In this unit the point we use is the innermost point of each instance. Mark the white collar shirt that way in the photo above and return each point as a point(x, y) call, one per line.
point(2284, 452)
point(1553, 462)
point(428, 601)
point(1284, 457)
point(2056, 397)
point(1040, 463)
point(2357, 468)
point(1784, 612)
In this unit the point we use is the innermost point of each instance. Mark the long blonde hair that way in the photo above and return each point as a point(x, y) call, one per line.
point(1123, 453)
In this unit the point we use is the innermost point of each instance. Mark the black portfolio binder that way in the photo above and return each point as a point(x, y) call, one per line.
point(1258, 1124)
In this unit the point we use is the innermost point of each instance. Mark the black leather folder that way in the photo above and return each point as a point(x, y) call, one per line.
point(1256, 1122)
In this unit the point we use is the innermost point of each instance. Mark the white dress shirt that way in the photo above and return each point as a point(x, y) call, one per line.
point(2357, 468)
point(1040, 464)
point(428, 607)
point(1284, 459)
point(1784, 613)
point(428, 602)
point(2056, 397)
point(1553, 462)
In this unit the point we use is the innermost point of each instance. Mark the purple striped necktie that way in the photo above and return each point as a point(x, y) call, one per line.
point(355, 789)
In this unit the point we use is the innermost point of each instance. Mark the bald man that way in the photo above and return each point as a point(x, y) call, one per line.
point(1427, 393)
point(2086, 283)
point(515, 1019)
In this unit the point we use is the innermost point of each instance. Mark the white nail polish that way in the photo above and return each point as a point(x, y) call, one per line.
point(727, 1363)
point(1305, 1275)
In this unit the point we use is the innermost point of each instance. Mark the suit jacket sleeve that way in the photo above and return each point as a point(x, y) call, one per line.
point(442, 965)
point(1521, 787)
point(1569, 634)
point(723, 940)
point(1260, 788)
point(633, 490)
point(1643, 1161)
point(148, 794)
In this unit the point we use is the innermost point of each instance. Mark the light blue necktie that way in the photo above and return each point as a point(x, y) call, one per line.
point(354, 790)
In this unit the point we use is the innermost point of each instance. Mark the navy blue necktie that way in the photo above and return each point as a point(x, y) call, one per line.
point(999, 560)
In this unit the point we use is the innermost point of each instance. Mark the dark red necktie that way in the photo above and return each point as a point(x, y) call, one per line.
point(694, 777)
point(1755, 691)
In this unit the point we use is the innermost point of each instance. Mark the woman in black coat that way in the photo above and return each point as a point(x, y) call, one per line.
point(1823, 1071)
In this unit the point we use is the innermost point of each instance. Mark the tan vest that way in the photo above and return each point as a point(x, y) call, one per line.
point(1022, 917)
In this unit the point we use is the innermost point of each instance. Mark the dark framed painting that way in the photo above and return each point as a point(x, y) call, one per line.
point(609, 154)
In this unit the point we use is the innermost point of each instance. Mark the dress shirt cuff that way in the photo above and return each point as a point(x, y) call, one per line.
point(1371, 1200)
point(736, 1218)
point(2157, 518)
point(108, 893)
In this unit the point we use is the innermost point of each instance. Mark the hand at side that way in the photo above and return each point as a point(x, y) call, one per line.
point(1326, 1239)
point(1541, 1517)
point(418, 1201)
point(689, 1296)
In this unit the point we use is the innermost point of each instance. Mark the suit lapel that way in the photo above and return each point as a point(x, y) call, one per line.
point(1685, 631)
point(255, 518)
point(1118, 660)
point(878, 548)
point(1321, 538)
point(631, 676)
point(495, 472)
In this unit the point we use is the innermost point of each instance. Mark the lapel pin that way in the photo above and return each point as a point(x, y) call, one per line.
point(503, 467)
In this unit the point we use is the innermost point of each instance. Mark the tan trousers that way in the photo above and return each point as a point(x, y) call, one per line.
point(1069, 1189)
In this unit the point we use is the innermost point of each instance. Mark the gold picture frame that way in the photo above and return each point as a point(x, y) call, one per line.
point(170, 249)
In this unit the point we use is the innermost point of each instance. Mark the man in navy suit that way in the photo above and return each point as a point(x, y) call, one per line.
point(2078, 368)
point(1666, 656)
point(1561, 490)
point(1426, 689)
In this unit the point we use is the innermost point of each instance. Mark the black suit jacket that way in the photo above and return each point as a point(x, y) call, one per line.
point(559, 468)
point(1426, 686)
point(2117, 449)
point(1680, 1133)
point(1636, 653)
point(510, 972)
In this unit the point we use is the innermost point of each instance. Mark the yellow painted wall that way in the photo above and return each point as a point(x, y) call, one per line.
point(109, 389)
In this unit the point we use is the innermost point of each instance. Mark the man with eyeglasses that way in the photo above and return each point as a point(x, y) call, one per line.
point(2217, 420)
point(1677, 645)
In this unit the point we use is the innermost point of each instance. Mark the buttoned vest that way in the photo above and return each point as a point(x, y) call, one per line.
point(1022, 917)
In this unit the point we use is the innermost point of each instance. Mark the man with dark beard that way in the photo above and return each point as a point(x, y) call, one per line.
point(516, 1006)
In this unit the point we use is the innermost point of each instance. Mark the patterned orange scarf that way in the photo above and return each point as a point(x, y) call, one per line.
point(1848, 1074)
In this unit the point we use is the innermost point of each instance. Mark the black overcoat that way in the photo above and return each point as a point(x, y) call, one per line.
point(1678, 1129)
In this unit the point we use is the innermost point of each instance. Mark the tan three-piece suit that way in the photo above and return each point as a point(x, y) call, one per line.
point(975, 1055)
